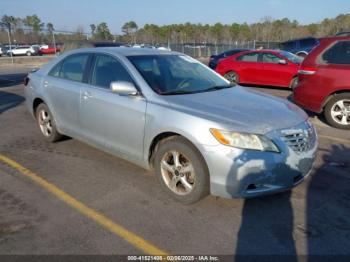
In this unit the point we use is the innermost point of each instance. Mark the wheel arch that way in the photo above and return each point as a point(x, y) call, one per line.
point(330, 96)
point(36, 102)
point(302, 52)
point(163, 136)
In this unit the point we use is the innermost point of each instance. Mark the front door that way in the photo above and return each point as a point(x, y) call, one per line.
point(276, 74)
point(113, 121)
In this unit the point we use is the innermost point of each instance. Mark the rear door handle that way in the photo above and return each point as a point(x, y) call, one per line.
point(87, 95)
point(46, 84)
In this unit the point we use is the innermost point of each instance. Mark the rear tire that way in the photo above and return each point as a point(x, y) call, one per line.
point(47, 123)
point(337, 111)
point(233, 77)
point(29, 53)
point(181, 170)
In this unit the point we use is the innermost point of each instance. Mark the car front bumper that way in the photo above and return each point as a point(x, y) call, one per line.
point(249, 173)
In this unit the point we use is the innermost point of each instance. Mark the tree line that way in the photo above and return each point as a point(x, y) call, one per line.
point(31, 29)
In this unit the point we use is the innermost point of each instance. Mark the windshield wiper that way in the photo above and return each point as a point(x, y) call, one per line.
point(214, 88)
point(182, 92)
point(177, 92)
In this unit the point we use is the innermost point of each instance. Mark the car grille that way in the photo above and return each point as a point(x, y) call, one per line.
point(300, 140)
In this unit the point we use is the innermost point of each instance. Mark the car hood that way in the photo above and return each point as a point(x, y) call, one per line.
point(241, 109)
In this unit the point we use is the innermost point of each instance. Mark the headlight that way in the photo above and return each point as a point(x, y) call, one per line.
point(244, 140)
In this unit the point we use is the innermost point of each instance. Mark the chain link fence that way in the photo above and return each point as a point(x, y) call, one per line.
point(206, 50)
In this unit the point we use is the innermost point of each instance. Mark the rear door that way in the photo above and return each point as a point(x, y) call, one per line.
point(63, 85)
point(113, 121)
point(276, 74)
point(249, 68)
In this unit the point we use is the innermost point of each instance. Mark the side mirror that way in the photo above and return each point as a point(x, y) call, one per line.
point(123, 88)
point(282, 62)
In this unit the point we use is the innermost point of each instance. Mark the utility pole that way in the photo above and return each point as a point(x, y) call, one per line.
point(54, 41)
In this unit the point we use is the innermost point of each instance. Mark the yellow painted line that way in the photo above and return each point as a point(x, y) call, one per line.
point(99, 218)
point(345, 141)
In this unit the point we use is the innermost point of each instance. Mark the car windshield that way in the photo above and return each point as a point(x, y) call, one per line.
point(291, 57)
point(177, 74)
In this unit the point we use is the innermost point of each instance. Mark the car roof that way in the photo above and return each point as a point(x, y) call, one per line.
point(335, 38)
point(299, 39)
point(126, 51)
point(262, 51)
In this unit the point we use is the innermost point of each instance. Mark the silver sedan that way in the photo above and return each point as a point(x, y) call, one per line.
point(168, 112)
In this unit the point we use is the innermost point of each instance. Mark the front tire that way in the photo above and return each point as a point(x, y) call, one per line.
point(337, 111)
point(181, 170)
point(293, 83)
point(47, 124)
point(29, 53)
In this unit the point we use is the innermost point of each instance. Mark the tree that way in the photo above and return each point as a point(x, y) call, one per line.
point(34, 22)
point(102, 32)
point(93, 29)
point(312, 28)
point(130, 29)
point(9, 22)
point(50, 28)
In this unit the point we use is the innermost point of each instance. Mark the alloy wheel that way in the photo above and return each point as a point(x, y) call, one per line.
point(232, 77)
point(45, 123)
point(340, 112)
point(178, 172)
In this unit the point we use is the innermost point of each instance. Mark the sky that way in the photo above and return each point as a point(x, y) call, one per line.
point(70, 14)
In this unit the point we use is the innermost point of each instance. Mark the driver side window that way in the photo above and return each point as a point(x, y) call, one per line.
point(107, 69)
point(270, 58)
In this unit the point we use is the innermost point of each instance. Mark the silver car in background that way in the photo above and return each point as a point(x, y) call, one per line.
point(168, 112)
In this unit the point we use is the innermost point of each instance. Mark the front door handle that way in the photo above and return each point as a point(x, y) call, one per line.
point(87, 95)
point(46, 84)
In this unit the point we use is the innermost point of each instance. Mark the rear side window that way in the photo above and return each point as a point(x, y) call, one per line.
point(106, 70)
point(338, 54)
point(73, 67)
point(251, 57)
point(55, 71)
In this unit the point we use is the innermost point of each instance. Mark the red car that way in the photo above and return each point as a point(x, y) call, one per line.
point(261, 67)
point(49, 51)
point(324, 81)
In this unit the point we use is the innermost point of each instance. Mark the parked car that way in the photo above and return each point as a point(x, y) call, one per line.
point(43, 46)
point(22, 50)
point(164, 48)
point(168, 112)
point(49, 50)
point(324, 81)
point(1, 51)
point(261, 67)
point(214, 59)
point(107, 44)
point(343, 34)
point(300, 47)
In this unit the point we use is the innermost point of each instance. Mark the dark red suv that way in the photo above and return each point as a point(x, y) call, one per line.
point(324, 81)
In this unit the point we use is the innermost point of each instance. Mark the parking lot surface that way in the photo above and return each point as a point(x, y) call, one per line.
point(113, 195)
